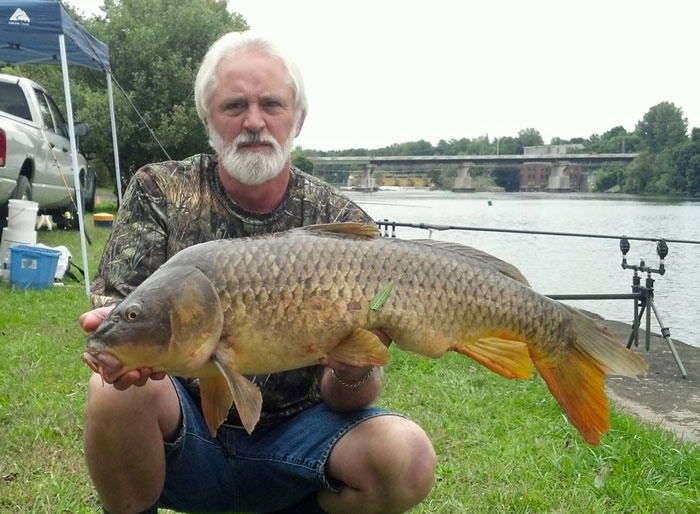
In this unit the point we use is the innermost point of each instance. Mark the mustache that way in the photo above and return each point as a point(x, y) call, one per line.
point(255, 138)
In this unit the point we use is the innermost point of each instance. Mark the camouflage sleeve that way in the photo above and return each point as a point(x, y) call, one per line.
point(137, 244)
point(340, 208)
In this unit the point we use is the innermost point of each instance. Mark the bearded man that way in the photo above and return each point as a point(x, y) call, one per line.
point(320, 445)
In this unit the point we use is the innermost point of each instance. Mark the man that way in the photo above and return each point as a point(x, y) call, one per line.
point(319, 444)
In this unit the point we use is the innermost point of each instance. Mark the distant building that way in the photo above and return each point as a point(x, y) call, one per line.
point(555, 177)
point(552, 149)
point(534, 176)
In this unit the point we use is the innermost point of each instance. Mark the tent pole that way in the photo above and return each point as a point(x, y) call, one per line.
point(74, 159)
point(115, 146)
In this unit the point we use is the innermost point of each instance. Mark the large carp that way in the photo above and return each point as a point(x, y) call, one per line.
point(224, 309)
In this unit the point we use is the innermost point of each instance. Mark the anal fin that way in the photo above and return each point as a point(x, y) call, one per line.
point(509, 358)
point(361, 348)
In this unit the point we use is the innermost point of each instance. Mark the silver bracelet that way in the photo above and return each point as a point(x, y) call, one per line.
point(352, 385)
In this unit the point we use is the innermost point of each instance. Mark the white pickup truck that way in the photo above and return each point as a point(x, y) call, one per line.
point(35, 157)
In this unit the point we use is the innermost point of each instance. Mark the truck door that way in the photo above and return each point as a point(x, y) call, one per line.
point(59, 157)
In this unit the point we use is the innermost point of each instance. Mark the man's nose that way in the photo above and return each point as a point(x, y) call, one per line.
point(254, 121)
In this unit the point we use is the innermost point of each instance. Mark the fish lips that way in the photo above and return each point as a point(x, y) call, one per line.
point(104, 363)
point(98, 358)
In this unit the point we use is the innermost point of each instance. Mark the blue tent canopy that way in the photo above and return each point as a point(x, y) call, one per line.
point(29, 31)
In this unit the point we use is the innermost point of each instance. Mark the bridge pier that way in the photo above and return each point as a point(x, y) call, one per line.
point(464, 183)
point(369, 184)
point(559, 180)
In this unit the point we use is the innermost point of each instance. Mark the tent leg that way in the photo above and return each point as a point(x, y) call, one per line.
point(115, 145)
point(74, 159)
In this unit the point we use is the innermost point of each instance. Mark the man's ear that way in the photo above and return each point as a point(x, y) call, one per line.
point(300, 123)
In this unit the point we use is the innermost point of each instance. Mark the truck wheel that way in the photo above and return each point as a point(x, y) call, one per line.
point(23, 189)
point(89, 191)
point(4, 208)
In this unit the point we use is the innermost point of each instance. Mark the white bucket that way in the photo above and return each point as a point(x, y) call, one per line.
point(22, 215)
point(11, 238)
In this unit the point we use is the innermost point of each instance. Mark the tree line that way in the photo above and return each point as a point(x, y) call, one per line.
point(155, 50)
point(668, 160)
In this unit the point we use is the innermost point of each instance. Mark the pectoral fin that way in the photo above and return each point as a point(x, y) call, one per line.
point(216, 401)
point(360, 348)
point(246, 396)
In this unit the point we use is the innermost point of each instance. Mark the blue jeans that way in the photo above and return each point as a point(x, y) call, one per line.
point(272, 468)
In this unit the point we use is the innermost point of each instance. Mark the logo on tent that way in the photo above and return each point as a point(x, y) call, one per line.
point(19, 18)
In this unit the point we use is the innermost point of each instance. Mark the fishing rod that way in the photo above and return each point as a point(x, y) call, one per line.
point(386, 224)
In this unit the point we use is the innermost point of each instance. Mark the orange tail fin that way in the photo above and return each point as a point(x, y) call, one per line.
point(579, 387)
point(577, 380)
point(576, 377)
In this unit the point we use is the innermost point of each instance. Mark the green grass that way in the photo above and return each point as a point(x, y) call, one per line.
point(42, 390)
point(503, 446)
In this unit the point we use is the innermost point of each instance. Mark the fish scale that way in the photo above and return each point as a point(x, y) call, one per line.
point(274, 303)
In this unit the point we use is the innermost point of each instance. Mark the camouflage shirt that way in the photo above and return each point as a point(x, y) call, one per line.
point(172, 205)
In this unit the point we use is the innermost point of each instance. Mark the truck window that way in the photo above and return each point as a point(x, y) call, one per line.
point(13, 101)
point(58, 120)
point(45, 111)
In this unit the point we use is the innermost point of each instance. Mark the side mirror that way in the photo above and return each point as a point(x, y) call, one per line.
point(81, 129)
point(90, 155)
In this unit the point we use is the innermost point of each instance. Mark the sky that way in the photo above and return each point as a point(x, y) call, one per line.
point(379, 72)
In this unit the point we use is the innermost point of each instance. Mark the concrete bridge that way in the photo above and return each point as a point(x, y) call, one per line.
point(505, 160)
point(464, 163)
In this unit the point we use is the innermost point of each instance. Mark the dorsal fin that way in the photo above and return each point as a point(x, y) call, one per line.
point(346, 228)
point(504, 267)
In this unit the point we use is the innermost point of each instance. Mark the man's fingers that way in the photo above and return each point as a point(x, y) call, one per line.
point(143, 378)
point(137, 377)
point(127, 380)
point(90, 320)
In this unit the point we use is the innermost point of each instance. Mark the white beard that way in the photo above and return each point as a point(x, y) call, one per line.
point(251, 167)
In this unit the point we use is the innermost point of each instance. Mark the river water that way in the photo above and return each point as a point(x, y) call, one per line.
point(569, 265)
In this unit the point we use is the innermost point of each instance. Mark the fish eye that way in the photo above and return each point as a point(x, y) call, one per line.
point(132, 313)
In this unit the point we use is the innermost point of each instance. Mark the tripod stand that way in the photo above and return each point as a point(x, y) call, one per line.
point(644, 300)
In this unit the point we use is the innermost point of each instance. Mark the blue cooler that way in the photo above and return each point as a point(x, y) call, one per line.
point(32, 267)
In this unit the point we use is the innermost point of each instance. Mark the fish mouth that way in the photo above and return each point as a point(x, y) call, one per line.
point(105, 364)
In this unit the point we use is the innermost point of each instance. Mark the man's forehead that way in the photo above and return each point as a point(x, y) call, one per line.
point(254, 70)
point(251, 62)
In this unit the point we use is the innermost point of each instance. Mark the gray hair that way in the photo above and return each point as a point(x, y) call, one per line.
point(234, 43)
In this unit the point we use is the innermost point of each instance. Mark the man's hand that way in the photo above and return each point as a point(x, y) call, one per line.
point(345, 387)
point(89, 321)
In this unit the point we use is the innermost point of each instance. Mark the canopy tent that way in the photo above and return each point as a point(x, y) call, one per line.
point(42, 32)
point(30, 30)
